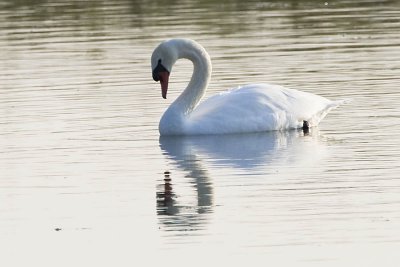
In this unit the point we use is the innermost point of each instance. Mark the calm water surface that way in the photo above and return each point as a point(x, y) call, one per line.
point(86, 181)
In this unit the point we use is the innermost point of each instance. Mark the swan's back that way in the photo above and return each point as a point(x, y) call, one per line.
point(256, 108)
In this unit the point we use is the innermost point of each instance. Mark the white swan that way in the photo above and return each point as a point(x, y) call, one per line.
point(250, 108)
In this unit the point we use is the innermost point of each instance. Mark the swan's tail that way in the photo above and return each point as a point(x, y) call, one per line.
point(316, 118)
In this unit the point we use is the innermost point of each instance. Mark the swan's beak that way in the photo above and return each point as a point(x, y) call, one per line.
point(160, 73)
point(164, 77)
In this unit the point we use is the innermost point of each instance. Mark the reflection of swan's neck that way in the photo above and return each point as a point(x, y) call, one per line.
point(175, 115)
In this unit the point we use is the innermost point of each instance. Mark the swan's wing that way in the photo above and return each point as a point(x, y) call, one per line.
point(257, 107)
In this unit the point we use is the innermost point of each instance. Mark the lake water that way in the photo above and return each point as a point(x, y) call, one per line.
point(86, 181)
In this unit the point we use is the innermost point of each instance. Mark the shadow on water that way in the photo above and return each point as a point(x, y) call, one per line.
point(242, 151)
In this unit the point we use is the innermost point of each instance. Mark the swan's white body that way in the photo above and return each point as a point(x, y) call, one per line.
point(251, 108)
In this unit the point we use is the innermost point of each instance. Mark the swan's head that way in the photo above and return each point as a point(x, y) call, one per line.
point(162, 60)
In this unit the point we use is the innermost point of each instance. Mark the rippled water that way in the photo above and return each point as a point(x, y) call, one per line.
point(86, 181)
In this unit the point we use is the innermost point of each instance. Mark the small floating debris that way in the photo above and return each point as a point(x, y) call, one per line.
point(57, 229)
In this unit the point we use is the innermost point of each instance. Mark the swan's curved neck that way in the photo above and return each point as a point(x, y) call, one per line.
point(196, 88)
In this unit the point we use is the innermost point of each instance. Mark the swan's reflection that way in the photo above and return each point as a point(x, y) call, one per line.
point(174, 213)
point(240, 150)
point(244, 151)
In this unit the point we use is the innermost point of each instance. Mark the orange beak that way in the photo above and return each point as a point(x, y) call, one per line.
point(164, 78)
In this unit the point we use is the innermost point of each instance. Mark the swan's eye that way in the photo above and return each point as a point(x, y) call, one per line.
point(159, 68)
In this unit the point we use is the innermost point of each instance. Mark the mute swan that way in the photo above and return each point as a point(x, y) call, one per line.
point(250, 108)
